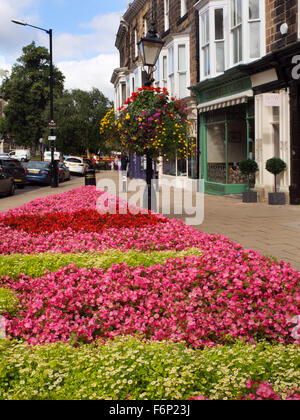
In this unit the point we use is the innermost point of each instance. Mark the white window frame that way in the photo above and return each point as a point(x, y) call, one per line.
point(210, 7)
point(167, 14)
point(183, 8)
point(136, 47)
point(234, 26)
point(167, 74)
point(205, 45)
point(145, 26)
point(249, 21)
point(164, 69)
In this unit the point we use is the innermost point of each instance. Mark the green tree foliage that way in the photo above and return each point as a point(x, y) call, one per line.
point(77, 114)
point(28, 93)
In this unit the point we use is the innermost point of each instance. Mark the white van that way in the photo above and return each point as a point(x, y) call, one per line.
point(47, 156)
point(21, 155)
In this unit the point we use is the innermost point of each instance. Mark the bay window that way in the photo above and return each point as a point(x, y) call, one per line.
point(219, 40)
point(205, 47)
point(237, 30)
point(231, 32)
point(182, 70)
point(254, 28)
point(171, 70)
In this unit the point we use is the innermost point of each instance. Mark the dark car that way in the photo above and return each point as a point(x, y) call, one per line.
point(90, 163)
point(64, 173)
point(15, 169)
point(7, 185)
point(38, 172)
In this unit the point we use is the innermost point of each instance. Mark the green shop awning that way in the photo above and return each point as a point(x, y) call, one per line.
point(237, 99)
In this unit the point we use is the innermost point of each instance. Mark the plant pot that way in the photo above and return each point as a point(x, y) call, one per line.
point(277, 199)
point(250, 197)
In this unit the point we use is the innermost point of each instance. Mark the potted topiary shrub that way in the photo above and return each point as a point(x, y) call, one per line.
point(249, 168)
point(275, 166)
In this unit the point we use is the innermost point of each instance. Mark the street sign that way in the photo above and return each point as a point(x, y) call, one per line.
point(52, 138)
point(52, 125)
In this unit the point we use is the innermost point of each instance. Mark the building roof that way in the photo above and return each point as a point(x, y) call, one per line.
point(131, 12)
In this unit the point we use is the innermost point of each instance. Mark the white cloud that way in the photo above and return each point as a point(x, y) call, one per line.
point(13, 37)
point(87, 59)
point(86, 74)
point(100, 38)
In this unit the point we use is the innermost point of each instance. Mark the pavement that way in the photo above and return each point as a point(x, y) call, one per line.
point(272, 230)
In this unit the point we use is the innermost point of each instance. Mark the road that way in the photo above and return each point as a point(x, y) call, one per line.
point(32, 192)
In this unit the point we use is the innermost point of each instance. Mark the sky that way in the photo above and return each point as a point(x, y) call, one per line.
point(84, 33)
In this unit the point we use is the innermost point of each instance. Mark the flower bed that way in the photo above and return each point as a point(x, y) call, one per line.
point(79, 276)
point(127, 368)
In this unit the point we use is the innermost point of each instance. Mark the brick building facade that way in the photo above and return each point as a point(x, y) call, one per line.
point(279, 12)
point(237, 64)
point(178, 65)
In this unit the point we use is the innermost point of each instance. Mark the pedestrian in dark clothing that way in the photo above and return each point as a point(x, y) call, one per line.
point(124, 162)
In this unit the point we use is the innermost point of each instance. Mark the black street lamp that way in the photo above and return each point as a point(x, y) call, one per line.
point(150, 48)
point(54, 167)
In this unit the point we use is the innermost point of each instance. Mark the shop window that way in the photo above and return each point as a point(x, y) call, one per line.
point(169, 166)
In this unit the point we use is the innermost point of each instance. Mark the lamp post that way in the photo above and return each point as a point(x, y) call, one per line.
point(150, 48)
point(54, 168)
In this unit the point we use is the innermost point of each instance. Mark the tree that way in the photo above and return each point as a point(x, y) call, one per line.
point(77, 116)
point(27, 91)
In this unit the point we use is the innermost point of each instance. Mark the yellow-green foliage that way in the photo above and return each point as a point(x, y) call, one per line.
point(143, 370)
point(8, 301)
point(36, 265)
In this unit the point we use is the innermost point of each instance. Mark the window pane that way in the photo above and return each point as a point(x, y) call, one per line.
point(236, 12)
point(253, 9)
point(219, 27)
point(172, 87)
point(237, 45)
point(171, 60)
point(181, 58)
point(239, 11)
point(205, 29)
point(254, 39)
point(165, 67)
point(220, 58)
point(182, 85)
point(206, 56)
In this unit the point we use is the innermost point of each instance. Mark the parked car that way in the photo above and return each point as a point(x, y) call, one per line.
point(21, 155)
point(7, 185)
point(47, 156)
point(4, 155)
point(76, 165)
point(38, 172)
point(15, 169)
point(64, 172)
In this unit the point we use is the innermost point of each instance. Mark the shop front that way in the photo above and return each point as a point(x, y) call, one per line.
point(276, 85)
point(226, 113)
